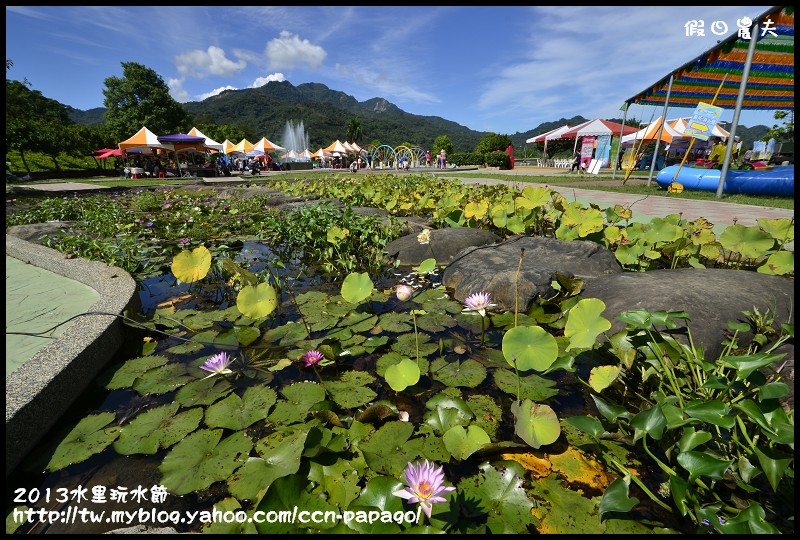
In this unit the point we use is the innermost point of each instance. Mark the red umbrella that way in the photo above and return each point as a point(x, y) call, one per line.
point(109, 152)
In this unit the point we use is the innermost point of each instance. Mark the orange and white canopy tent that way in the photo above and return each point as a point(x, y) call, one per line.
point(264, 146)
point(336, 147)
point(650, 133)
point(144, 139)
point(240, 147)
point(227, 145)
point(210, 144)
point(680, 125)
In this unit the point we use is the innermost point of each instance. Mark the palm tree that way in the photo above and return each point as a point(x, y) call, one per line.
point(354, 131)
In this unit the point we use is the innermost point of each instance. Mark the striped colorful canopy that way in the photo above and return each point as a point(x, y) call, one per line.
point(770, 84)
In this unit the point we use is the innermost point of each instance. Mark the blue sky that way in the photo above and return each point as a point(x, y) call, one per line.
point(503, 69)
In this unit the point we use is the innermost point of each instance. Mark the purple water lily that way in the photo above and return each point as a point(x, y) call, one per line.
point(479, 302)
point(217, 364)
point(424, 486)
point(312, 358)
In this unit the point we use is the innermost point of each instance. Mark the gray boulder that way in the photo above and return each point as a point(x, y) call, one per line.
point(493, 269)
point(443, 246)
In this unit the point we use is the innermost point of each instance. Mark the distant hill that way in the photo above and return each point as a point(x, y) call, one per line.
point(325, 113)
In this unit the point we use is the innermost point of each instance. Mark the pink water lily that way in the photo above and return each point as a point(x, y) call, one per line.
point(217, 364)
point(424, 486)
point(312, 358)
point(479, 302)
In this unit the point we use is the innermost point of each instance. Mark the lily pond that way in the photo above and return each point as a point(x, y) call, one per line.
point(281, 361)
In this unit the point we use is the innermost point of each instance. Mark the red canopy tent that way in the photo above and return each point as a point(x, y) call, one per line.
point(597, 127)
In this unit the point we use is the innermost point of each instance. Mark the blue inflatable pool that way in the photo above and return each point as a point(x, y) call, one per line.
point(778, 181)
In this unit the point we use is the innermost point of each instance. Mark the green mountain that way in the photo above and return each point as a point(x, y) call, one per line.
point(325, 113)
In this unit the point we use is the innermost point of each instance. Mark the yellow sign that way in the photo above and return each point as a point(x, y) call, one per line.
point(703, 121)
point(675, 187)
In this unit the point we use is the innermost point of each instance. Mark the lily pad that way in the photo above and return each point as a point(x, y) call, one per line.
point(468, 373)
point(350, 390)
point(389, 449)
point(201, 459)
point(462, 443)
point(279, 455)
point(237, 413)
point(130, 370)
point(156, 429)
point(163, 379)
point(299, 399)
point(498, 496)
point(203, 392)
point(531, 386)
point(90, 436)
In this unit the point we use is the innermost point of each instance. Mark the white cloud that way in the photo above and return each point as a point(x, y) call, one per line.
point(261, 81)
point(176, 90)
point(198, 63)
point(215, 92)
point(289, 50)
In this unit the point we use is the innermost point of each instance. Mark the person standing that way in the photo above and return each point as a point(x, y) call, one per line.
point(443, 158)
point(576, 162)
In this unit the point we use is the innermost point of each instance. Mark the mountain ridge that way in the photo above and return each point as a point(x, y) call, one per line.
point(325, 113)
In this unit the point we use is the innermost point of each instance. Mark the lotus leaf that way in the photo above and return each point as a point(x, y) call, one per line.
point(426, 267)
point(190, 266)
point(780, 229)
point(357, 287)
point(601, 377)
point(536, 424)
point(529, 347)
point(584, 323)
point(403, 374)
point(780, 263)
point(257, 301)
point(749, 242)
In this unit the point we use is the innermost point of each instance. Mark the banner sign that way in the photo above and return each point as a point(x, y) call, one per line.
point(703, 121)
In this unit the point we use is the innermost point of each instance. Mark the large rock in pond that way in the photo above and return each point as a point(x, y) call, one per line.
point(493, 269)
point(711, 297)
point(443, 245)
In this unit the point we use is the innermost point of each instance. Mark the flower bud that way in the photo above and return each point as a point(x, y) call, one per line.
point(404, 292)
